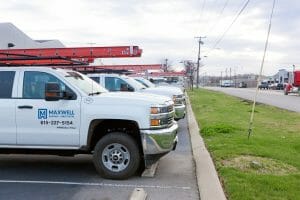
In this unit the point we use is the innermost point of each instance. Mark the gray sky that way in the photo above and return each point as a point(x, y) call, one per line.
point(166, 29)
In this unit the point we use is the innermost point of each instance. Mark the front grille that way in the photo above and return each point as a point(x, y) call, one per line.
point(167, 109)
point(170, 120)
point(170, 108)
point(167, 121)
point(178, 102)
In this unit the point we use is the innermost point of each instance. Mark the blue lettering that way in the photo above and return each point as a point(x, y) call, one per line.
point(61, 113)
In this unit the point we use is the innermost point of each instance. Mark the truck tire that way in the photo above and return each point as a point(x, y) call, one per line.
point(116, 156)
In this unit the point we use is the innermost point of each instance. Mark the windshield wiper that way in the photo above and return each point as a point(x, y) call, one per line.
point(94, 93)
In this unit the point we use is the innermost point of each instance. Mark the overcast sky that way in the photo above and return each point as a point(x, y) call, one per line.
point(166, 29)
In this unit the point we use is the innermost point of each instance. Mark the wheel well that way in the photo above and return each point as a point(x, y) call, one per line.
point(101, 127)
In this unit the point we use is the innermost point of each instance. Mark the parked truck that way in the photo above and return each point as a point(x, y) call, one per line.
point(293, 87)
point(117, 83)
point(176, 89)
point(62, 112)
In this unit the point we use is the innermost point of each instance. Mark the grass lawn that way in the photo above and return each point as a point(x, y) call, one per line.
point(265, 167)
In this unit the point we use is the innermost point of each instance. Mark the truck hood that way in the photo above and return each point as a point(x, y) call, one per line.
point(162, 91)
point(177, 90)
point(133, 98)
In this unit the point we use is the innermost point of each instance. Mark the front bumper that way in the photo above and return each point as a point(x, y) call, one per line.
point(179, 111)
point(159, 141)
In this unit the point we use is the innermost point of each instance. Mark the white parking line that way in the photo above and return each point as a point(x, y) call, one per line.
point(96, 184)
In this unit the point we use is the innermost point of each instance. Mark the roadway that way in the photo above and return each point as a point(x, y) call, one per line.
point(271, 97)
point(53, 177)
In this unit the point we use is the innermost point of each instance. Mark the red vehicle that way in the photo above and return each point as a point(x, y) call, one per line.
point(295, 86)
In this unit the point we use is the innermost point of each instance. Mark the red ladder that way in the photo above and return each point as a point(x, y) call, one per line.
point(65, 56)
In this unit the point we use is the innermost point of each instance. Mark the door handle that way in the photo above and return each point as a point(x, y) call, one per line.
point(25, 107)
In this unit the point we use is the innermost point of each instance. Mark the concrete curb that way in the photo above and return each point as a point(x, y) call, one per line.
point(209, 184)
point(138, 194)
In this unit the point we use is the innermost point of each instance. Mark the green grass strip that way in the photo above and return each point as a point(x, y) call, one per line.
point(265, 167)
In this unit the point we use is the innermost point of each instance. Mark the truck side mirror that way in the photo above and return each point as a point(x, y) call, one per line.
point(52, 92)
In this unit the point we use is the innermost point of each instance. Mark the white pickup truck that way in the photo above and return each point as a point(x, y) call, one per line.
point(117, 83)
point(61, 112)
point(169, 87)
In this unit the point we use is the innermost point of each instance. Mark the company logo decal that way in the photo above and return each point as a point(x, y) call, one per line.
point(45, 113)
point(42, 114)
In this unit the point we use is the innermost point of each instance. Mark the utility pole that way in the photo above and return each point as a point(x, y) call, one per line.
point(294, 68)
point(221, 79)
point(293, 73)
point(230, 76)
point(235, 77)
point(200, 42)
point(166, 65)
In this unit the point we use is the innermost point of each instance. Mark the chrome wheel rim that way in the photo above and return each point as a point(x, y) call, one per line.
point(115, 157)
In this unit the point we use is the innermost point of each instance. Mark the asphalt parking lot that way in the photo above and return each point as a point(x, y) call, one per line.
point(270, 97)
point(54, 177)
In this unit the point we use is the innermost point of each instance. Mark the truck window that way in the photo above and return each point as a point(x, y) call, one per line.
point(116, 84)
point(96, 79)
point(140, 81)
point(6, 84)
point(34, 84)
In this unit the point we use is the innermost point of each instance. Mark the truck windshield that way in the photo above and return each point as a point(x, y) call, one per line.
point(134, 83)
point(83, 82)
point(146, 82)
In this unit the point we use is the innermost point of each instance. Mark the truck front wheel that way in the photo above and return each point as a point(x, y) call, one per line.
point(116, 156)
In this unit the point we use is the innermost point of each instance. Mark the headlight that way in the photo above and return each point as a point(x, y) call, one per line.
point(174, 98)
point(161, 116)
point(178, 99)
point(155, 110)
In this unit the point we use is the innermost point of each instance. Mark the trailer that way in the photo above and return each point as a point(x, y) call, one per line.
point(295, 86)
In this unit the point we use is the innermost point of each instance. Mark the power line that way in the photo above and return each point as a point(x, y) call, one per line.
point(229, 27)
point(218, 17)
point(260, 73)
point(208, 17)
point(202, 8)
point(198, 28)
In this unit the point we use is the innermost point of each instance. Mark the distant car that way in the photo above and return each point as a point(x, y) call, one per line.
point(225, 85)
point(263, 85)
point(242, 85)
point(279, 86)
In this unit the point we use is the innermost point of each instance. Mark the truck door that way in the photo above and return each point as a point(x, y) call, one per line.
point(7, 108)
point(46, 123)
